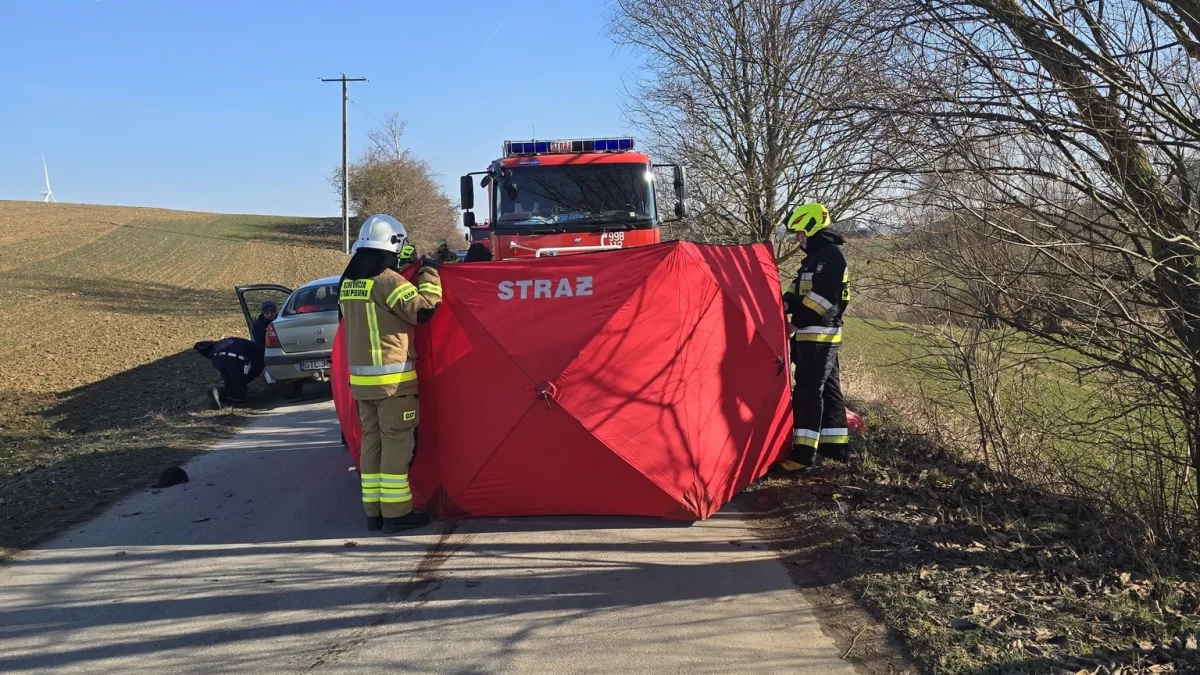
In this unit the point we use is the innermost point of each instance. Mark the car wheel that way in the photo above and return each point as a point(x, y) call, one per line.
point(291, 388)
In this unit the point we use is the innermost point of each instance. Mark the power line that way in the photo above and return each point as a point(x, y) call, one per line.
point(367, 112)
point(345, 144)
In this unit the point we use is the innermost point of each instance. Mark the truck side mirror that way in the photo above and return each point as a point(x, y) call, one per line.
point(466, 192)
point(681, 191)
point(469, 219)
point(680, 183)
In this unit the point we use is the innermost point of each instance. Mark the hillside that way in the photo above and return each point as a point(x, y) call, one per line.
point(102, 307)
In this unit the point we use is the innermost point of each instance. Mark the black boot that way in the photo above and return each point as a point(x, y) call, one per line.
point(409, 521)
point(374, 523)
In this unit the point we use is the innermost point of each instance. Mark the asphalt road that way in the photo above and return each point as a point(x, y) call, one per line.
point(261, 564)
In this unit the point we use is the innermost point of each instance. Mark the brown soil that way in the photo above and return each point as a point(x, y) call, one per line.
point(99, 386)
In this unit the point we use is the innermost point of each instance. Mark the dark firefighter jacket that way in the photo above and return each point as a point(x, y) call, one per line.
point(818, 297)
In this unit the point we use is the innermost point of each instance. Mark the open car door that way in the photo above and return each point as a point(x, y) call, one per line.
point(258, 294)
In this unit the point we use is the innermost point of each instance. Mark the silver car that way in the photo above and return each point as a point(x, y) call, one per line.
point(299, 342)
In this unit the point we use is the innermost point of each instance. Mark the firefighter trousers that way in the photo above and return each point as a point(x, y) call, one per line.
point(818, 409)
point(389, 428)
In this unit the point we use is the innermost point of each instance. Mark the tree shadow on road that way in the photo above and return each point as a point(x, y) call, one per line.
point(76, 452)
point(465, 579)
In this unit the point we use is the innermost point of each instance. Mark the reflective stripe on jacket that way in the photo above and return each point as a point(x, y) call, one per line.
point(818, 297)
point(380, 315)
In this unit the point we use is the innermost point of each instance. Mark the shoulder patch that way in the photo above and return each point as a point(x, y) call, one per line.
point(820, 266)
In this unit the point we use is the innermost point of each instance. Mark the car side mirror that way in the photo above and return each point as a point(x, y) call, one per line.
point(469, 219)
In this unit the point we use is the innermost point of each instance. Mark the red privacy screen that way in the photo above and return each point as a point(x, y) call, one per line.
point(648, 381)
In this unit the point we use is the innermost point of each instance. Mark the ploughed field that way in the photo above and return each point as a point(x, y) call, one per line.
point(99, 307)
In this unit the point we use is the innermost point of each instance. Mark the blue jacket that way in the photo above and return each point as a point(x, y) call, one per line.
point(259, 330)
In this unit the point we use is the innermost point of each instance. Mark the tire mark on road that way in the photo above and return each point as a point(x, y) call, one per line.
point(402, 597)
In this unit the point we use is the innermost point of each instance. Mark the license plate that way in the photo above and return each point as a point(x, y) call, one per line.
point(315, 364)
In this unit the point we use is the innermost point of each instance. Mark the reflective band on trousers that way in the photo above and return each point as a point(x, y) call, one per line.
point(805, 437)
point(835, 435)
point(370, 488)
point(393, 488)
point(386, 369)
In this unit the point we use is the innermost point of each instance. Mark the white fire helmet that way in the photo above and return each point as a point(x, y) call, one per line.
point(383, 232)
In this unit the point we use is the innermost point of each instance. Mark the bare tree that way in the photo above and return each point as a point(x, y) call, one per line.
point(765, 101)
point(1057, 164)
point(388, 178)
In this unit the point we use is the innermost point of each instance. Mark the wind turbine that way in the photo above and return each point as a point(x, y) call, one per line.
point(48, 195)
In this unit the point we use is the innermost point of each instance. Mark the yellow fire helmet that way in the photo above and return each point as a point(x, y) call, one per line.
point(808, 218)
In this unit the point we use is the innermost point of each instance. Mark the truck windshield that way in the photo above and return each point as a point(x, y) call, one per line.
point(576, 198)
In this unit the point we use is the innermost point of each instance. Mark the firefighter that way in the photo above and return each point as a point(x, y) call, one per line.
point(816, 301)
point(380, 309)
point(239, 361)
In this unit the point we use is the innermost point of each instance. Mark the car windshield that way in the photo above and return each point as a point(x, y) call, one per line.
point(315, 298)
point(567, 197)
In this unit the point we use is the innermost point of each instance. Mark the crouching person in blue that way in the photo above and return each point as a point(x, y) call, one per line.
point(239, 361)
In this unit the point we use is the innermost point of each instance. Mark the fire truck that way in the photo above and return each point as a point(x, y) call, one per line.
point(558, 197)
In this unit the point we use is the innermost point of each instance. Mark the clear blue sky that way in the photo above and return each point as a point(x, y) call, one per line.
point(216, 106)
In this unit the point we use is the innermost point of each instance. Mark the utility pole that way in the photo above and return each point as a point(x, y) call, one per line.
point(345, 142)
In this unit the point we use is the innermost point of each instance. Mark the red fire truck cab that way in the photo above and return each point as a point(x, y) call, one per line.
point(550, 198)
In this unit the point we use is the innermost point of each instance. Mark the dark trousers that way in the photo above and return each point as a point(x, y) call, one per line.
point(233, 372)
point(818, 408)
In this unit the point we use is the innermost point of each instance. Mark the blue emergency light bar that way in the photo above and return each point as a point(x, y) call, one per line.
point(517, 148)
